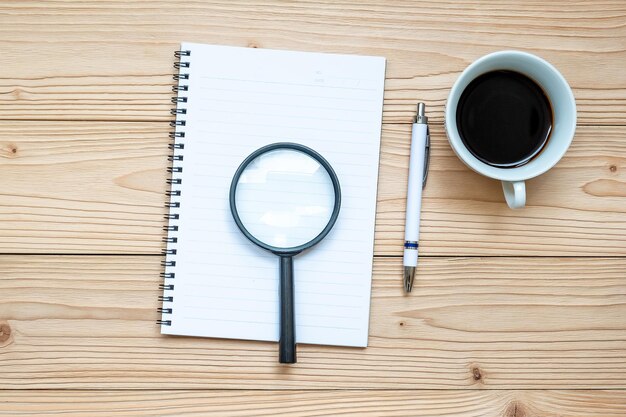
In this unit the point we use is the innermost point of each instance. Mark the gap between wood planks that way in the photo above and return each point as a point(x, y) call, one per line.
point(436, 123)
point(375, 256)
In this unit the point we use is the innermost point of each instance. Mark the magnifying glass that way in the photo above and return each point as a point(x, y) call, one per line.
point(285, 198)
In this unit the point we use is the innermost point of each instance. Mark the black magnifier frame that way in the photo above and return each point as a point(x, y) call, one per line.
point(287, 341)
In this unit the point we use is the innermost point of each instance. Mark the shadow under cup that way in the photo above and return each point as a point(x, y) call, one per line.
point(563, 106)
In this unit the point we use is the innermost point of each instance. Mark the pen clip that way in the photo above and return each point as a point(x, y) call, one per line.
point(426, 158)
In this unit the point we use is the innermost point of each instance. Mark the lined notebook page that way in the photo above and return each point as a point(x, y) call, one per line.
point(240, 99)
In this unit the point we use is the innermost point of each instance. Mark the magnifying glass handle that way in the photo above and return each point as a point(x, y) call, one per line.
point(287, 342)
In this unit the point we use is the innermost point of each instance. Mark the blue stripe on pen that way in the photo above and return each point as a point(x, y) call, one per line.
point(410, 245)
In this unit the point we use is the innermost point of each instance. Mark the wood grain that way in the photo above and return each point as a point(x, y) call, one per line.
point(83, 187)
point(450, 403)
point(577, 208)
point(87, 322)
point(98, 187)
point(112, 60)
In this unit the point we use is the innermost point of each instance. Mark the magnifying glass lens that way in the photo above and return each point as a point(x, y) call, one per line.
point(285, 198)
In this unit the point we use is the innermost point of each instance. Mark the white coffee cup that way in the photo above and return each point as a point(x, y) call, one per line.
point(563, 127)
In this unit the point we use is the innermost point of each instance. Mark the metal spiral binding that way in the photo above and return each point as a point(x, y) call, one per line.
point(177, 148)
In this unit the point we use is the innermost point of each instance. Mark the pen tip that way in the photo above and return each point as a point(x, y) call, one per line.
point(409, 274)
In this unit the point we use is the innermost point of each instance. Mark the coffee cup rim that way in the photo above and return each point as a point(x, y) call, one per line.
point(517, 173)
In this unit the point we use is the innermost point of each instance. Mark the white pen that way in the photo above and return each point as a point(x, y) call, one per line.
point(418, 170)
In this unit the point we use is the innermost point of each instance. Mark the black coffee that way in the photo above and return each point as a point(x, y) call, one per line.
point(504, 118)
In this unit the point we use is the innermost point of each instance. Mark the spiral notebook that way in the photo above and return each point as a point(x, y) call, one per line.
point(230, 102)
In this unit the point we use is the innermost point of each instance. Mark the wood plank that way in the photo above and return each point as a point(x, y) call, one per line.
point(577, 208)
point(431, 403)
point(98, 187)
point(83, 322)
point(83, 187)
point(112, 60)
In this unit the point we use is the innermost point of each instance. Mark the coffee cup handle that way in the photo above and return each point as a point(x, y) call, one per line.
point(514, 193)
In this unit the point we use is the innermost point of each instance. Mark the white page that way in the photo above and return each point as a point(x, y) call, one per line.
point(239, 100)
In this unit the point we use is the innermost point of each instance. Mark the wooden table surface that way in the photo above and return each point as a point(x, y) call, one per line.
point(515, 313)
